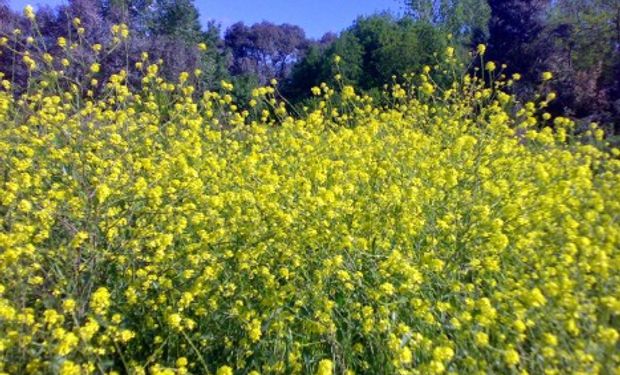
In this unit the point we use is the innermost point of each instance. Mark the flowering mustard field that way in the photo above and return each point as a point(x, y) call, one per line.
point(164, 231)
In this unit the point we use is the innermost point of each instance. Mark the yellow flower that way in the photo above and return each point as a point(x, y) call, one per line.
point(550, 339)
point(482, 339)
point(67, 344)
point(70, 368)
point(481, 49)
point(100, 300)
point(348, 92)
point(536, 298)
point(103, 192)
point(30, 63)
point(490, 66)
point(254, 330)
point(126, 335)
point(181, 362)
point(511, 357)
point(25, 205)
point(175, 320)
point(608, 336)
point(48, 58)
point(428, 88)
point(443, 353)
point(124, 31)
point(405, 355)
point(68, 305)
point(325, 367)
point(227, 85)
point(51, 317)
point(29, 12)
point(224, 370)
point(89, 330)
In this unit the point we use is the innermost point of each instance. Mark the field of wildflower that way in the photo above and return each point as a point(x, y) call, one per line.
point(160, 230)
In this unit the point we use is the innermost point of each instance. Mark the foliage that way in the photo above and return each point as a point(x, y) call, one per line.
point(164, 29)
point(592, 29)
point(450, 230)
point(467, 20)
point(265, 50)
point(578, 40)
point(371, 51)
point(586, 54)
point(514, 28)
point(178, 18)
point(307, 73)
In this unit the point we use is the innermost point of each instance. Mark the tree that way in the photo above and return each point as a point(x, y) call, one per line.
point(594, 27)
point(393, 47)
point(467, 20)
point(371, 51)
point(177, 18)
point(586, 56)
point(515, 27)
point(318, 66)
point(265, 49)
point(131, 12)
point(163, 28)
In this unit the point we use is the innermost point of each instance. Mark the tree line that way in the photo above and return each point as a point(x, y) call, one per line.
point(577, 40)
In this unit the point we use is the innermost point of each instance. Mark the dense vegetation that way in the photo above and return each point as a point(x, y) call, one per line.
point(150, 226)
point(578, 40)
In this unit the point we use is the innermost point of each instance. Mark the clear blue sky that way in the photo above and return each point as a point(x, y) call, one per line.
point(315, 16)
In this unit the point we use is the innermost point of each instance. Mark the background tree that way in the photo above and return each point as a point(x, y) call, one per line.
point(586, 56)
point(264, 49)
point(175, 18)
point(165, 29)
point(579, 40)
point(371, 51)
point(515, 27)
point(393, 47)
point(466, 20)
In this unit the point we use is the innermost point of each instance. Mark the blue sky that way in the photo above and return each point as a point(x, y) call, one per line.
point(315, 16)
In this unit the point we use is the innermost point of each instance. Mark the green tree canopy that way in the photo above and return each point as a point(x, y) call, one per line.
point(467, 20)
point(371, 51)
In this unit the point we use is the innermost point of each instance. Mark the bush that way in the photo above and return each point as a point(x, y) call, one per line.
point(447, 230)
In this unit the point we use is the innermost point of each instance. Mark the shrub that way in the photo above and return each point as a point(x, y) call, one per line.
point(448, 230)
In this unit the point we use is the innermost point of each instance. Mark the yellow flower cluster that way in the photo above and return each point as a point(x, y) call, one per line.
point(159, 231)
